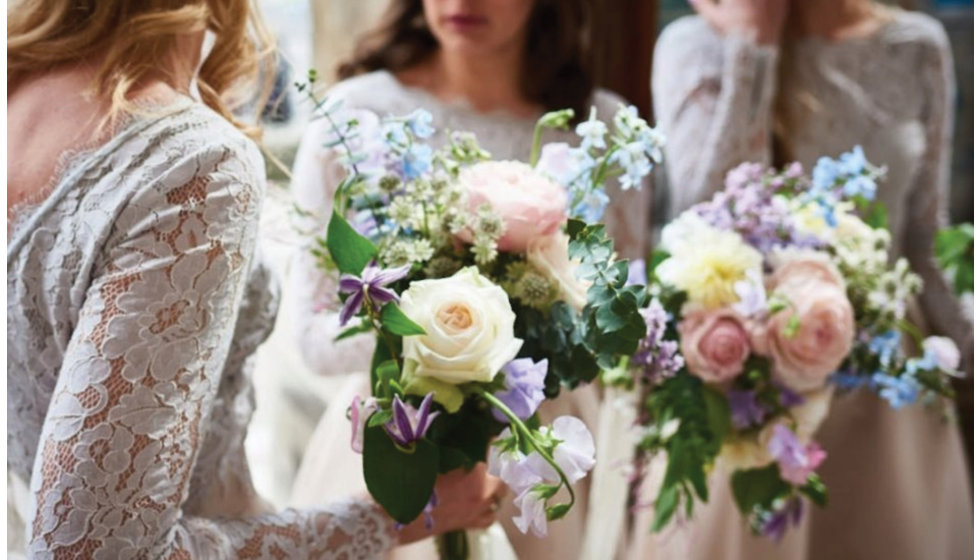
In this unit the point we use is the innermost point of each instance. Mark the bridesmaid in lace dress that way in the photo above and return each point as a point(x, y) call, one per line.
point(135, 298)
point(775, 81)
point(491, 67)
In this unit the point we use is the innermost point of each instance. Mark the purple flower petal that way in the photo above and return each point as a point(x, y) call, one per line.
point(402, 421)
point(381, 296)
point(425, 418)
point(349, 284)
point(351, 307)
point(389, 275)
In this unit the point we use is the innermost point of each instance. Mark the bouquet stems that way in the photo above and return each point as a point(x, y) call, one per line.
point(453, 546)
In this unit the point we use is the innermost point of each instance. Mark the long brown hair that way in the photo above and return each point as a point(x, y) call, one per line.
point(555, 74)
point(136, 37)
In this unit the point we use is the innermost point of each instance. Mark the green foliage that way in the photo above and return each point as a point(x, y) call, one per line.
point(558, 337)
point(363, 327)
point(815, 489)
point(954, 249)
point(396, 322)
point(464, 437)
point(612, 322)
point(703, 421)
point(400, 481)
point(350, 250)
point(758, 488)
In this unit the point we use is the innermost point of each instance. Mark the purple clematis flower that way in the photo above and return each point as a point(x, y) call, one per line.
point(796, 461)
point(408, 425)
point(746, 410)
point(524, 387)
point(776, 523)
point(369, 286)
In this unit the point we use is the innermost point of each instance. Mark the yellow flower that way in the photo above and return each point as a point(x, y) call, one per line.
point(706, 263)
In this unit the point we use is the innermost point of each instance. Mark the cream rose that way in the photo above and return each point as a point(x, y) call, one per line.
point(469, 327)
point(715, 344)
point(808, 340)
point(530, 204)
point(549, 255)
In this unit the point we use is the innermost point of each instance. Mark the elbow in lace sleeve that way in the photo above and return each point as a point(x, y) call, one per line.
point(134, 393)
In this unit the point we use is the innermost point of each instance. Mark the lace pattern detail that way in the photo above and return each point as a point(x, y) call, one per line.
point(134, 303)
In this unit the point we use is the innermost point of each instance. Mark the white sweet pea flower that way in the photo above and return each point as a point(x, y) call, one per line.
point(533, 515)
point(944, 350)
point(575, 452)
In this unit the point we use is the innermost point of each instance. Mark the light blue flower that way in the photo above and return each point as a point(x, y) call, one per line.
point(861, 185)
point(420, 123)
point(393, 133)
point(898, 391)
point(592, 206)
point(853, 162)
point(885, 346)
point(825, 174)
point(592, 131)
point(416, 161)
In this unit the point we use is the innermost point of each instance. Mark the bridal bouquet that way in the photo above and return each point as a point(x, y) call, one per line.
point(488, 293)
point(765, 299)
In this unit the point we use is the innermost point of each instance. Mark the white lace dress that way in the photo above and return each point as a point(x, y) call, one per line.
point(897, 479)
point(134, 303)
point(315, 178)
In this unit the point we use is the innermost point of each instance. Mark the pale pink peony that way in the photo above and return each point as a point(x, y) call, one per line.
point(714, 343)
point(804, 356)
point(530, 204)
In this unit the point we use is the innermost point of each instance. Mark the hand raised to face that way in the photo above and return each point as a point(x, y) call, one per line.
point(761, 21)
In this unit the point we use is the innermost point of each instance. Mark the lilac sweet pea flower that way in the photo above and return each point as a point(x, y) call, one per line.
point(575, 452)
point(370, 285)
point(408, 425)
point(360, 411)
point(637, 274)
point(796, 462)
point(751, 293)
point(533, 515)
point(524, 387)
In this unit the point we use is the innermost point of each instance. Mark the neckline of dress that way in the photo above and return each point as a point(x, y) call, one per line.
point(460, 106)
point(72, 162)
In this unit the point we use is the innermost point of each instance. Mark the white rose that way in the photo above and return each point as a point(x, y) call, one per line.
point(549, 255)
point(469, 327)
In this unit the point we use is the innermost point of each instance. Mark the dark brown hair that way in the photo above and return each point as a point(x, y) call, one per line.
point(554, 74)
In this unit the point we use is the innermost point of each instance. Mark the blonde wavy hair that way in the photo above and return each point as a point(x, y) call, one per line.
point(137, 38)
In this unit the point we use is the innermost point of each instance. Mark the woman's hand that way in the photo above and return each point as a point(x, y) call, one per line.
point(760, 20)
point(465, 500)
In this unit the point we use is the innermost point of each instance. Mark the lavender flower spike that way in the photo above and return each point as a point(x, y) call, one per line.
point(408, 425)
point(369, 286)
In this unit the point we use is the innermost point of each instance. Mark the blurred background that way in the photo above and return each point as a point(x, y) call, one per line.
point(320, 33)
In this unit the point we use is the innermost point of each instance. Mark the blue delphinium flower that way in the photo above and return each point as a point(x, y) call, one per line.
point(592, 131)
point(416, 161)
point(849, 381)
point(523, 387)
point(886, 346)
point(420, 123)
point(825, 174)
point(592, 205)
point(898, 391)
point(745, 409)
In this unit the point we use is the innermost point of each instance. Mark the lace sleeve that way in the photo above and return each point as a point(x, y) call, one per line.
point(713, 97)
point(312, 295)
point(134, 394)
point(928, 199)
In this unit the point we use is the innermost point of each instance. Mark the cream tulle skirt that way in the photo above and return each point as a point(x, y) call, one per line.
point(331, 470)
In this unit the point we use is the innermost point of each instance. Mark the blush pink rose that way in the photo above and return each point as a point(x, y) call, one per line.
point(530, 204)
point(715, 344)
point(805, 356)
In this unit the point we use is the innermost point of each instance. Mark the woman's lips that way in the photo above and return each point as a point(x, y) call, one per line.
point(464, 22)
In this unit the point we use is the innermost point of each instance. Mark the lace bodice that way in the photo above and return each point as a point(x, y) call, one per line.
point(134, 303)
point(316, 176)
point(890, 92)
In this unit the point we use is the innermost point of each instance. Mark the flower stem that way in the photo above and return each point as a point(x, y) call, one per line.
point(536, 143)
point(521, 429)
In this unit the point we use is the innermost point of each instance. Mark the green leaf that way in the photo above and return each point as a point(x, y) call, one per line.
point(379, 418)
point(664, 507)
point(878, 216)
point(350, 250)
point(364, 327)
point(758, 487)
point(558, 511)
point(815, 489)
point(448, 395)
point(385, 372)
point(401, 482)
point(718, 414)
point(396, 322)
point(574, 228)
